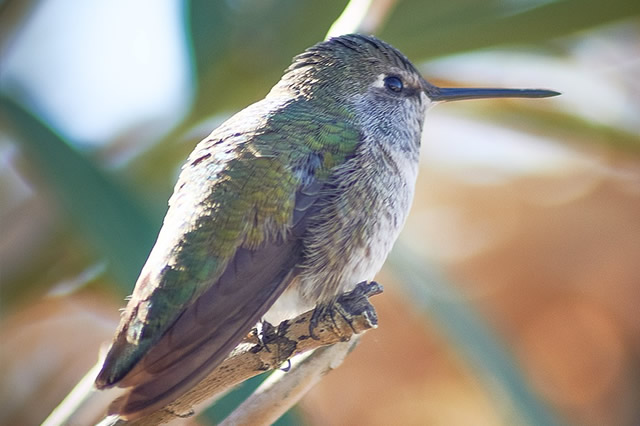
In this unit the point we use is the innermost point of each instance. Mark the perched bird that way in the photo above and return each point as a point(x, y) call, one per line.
point(285, 206)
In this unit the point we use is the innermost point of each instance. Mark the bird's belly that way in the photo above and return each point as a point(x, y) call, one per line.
point(363, 262)
point(349, 248)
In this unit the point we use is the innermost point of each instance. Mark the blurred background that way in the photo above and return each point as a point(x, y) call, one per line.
point(513, 294)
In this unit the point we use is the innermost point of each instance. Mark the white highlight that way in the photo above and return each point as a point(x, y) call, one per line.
point(95, 71)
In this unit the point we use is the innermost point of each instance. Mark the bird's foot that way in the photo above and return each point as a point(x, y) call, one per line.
point(344, 310)
point(264, 332)
point(274, 340)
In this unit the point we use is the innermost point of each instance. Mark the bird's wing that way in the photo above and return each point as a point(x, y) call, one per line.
point(228, 248)
point(206, 332)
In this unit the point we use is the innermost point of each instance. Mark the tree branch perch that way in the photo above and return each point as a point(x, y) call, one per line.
point(352, 315)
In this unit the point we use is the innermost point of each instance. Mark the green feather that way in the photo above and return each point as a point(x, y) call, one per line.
point(236, 190)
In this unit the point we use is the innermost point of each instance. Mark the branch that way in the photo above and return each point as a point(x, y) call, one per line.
point(84, 403)
point(282, 390)
point(351, 315)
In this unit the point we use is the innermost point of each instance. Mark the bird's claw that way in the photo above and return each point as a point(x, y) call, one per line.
point(263, 331)
point(347, 306)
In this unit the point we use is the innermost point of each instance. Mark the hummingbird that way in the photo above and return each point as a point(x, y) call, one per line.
point(288, 204)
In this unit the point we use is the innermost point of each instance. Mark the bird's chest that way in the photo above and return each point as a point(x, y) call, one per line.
point(352, 235)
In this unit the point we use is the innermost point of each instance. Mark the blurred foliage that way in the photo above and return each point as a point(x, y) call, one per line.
point(101, 210)
point(574, 128)
point(436, 28)
point(238, 51)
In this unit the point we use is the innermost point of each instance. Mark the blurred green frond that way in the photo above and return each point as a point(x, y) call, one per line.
point(100, 209)
point(438, 28)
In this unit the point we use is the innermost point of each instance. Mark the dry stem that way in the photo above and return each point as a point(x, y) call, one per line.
point(354, 315)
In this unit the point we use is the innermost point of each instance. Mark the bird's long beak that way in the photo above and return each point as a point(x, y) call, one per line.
point(448, 94)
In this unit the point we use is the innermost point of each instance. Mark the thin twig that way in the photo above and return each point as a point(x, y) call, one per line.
point(282, 390)
point(84, 403)
point(251, 357)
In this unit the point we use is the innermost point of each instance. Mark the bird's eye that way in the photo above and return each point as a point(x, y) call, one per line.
point(393, 83)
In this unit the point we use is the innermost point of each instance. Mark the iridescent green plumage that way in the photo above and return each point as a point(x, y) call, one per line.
point(237, 190)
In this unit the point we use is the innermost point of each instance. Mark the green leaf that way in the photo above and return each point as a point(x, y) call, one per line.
point(240, 49)
point(429, 29)
point(110, 217)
